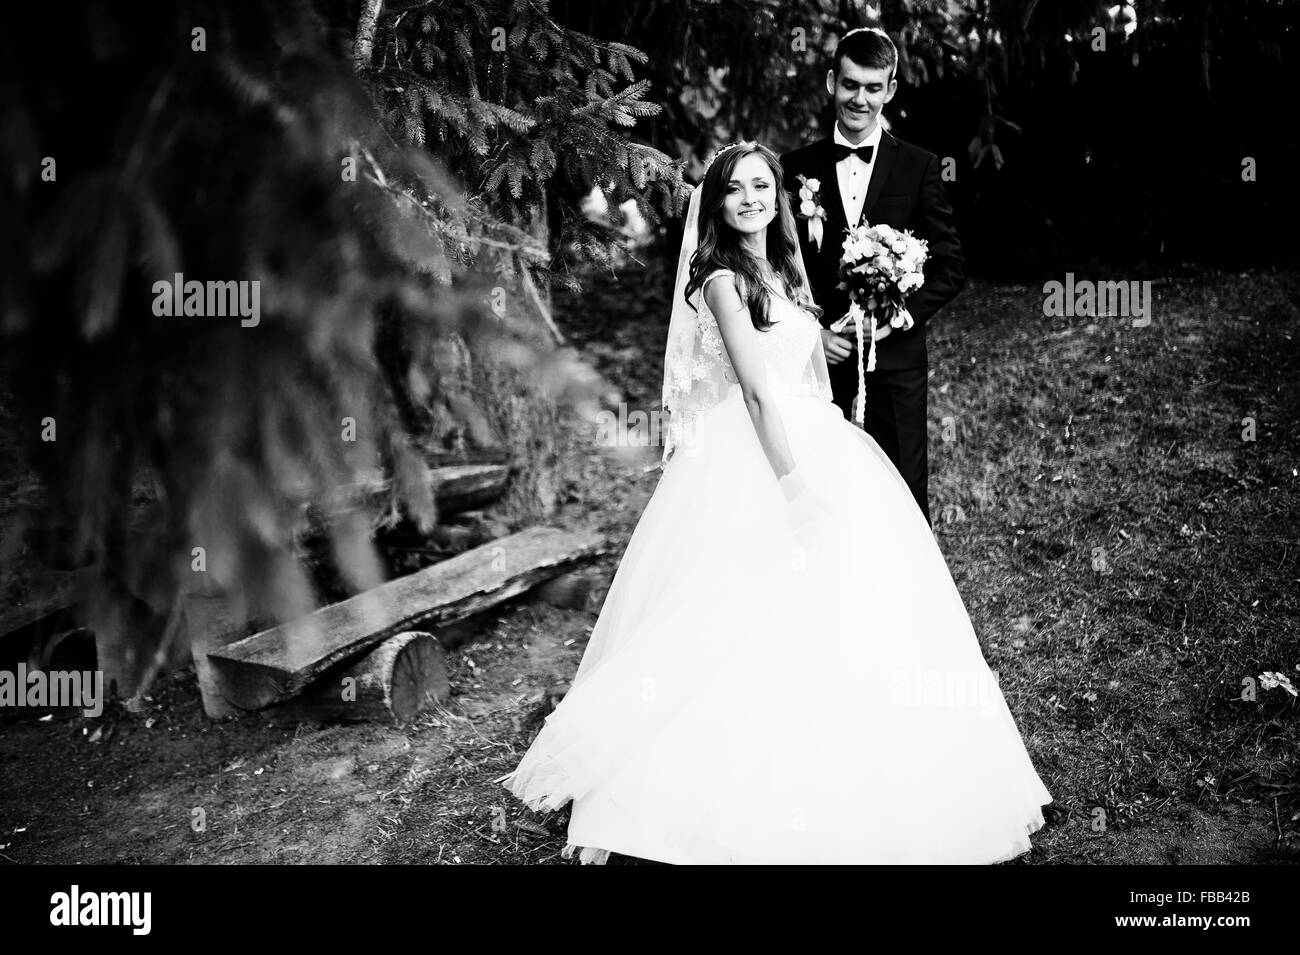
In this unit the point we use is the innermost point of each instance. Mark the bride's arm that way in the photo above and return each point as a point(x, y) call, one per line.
point(740, 338)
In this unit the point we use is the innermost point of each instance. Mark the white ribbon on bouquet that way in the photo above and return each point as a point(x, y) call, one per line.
point(902, 318)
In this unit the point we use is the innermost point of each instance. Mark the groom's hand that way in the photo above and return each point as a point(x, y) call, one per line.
point(849, 343)
point(837, 347)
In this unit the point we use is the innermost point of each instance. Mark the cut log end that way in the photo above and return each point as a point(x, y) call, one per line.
point(394, 683)
point(417, 676)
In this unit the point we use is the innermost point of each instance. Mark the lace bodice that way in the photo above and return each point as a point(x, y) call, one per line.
point(698, 373)
point(786, 346)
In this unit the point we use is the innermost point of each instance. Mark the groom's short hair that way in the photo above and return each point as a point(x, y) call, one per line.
point(870, 47)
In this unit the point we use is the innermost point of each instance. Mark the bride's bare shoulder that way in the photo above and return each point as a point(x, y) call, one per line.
point(719, 295)
point(708, 291)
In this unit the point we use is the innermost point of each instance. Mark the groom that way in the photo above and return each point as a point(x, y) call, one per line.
point(868, 176)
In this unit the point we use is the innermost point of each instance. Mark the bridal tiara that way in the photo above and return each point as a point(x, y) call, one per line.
point(719, 152)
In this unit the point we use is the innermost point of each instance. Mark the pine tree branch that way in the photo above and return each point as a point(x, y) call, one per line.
point(524, 244)
point(542, 310)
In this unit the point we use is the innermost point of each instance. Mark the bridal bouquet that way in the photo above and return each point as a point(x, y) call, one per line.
point(880, 267)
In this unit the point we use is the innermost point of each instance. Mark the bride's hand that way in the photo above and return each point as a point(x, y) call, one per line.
point(807, 507)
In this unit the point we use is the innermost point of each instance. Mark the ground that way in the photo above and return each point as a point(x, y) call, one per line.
point(1127, 546)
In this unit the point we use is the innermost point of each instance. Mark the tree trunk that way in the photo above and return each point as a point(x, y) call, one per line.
point(365, 43)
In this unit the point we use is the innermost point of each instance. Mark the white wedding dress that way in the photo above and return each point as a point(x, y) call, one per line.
point(752, 697)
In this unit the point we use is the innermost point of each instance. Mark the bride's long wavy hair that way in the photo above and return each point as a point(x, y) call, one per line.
point(720, 246)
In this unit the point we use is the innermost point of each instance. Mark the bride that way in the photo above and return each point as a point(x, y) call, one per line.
point(774, 678)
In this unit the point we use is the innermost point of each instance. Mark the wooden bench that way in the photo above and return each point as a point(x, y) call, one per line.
point(454, 487)
point(277, 664)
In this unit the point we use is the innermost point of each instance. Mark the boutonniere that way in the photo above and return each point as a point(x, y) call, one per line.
point(810, 207)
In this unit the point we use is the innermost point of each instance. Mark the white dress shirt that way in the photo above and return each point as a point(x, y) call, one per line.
point(854, 174)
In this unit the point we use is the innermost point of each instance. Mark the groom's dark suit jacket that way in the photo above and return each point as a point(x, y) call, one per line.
point(905, 192)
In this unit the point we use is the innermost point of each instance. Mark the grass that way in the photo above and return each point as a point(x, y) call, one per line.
point(1127, 557)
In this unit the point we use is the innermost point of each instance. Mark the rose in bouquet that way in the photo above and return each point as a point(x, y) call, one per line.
point(880, 267)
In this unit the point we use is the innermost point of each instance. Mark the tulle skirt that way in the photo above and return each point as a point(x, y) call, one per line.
point(753, 694)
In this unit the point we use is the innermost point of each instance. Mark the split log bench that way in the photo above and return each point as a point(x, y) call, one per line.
point(273, 666)
point(455, 488)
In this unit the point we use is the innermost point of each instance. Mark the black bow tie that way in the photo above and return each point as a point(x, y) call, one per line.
point(843, 152)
